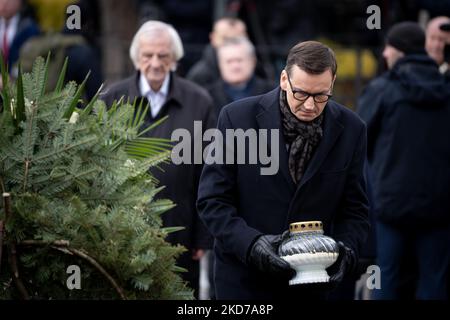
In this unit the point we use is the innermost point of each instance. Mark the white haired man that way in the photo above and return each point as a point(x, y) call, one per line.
point(155, 50)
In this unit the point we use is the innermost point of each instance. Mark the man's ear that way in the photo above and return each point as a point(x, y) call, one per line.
point(283, 80)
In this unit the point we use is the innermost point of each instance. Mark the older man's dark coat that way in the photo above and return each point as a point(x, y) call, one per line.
point(186, 103)
point(238, 204)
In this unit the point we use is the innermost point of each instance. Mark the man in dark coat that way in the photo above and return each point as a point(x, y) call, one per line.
point(320, 152)
point(407, 112)
point(237, 62)
point(206, 70)
point(155, 49)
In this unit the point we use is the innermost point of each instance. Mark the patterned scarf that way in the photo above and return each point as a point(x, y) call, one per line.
point(302, 138)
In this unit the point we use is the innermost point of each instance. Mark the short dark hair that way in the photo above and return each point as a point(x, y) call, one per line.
point(312, 57)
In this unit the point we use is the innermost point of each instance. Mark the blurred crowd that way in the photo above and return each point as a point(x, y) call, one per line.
point(212, 53)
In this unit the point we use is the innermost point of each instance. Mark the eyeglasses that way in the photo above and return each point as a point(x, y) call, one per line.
point(302, 96)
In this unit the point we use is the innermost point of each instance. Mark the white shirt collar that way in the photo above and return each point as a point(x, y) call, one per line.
point(145, 88)
point(156, 99)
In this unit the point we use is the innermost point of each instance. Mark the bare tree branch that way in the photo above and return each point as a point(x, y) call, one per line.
point(12, 252)
point(58, 243)
point(1, 244)
point(101, 269)
point(63, 246)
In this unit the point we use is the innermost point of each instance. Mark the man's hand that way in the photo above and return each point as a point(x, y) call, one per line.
point(263, 255)
point(345, 263)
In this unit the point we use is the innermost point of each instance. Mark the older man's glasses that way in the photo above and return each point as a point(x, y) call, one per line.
point(302, 96)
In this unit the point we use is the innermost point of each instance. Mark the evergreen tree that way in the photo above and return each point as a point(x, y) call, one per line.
point(76, 191)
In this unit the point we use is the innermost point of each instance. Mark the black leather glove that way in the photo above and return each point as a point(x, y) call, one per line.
point(344, 265)
point(264, 256)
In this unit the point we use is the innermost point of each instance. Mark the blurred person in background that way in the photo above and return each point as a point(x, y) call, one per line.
point(85, 56)
point(78, 45)
point(206, 70)
point(436, 39)
point(406, 111)
point(15, 29)
point(237, 62)
point(445, 67)
point(155, 50)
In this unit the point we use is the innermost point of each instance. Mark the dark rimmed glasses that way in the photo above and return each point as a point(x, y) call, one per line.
point(302, 96)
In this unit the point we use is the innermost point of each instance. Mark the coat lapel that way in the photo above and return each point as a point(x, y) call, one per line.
point(331, 131)
point(270, 118)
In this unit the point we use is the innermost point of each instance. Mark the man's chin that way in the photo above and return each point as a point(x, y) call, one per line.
point(305, 116)
point(155, 80)
point(156, 77)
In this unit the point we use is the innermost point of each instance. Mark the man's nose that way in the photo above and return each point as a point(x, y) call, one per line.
point(309, 103)
point(155, 61)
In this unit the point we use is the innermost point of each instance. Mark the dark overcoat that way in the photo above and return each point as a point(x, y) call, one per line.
point(238, 203)
point(407, 111)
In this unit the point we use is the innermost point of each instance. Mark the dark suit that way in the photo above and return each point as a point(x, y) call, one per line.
point(186, 103)
point(238, 204)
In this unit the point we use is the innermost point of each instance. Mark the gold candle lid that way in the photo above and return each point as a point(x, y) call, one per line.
point(306, 226)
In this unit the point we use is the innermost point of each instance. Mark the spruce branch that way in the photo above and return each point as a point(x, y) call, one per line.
point(66, 148)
